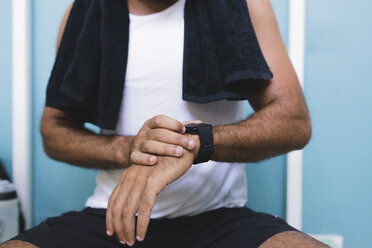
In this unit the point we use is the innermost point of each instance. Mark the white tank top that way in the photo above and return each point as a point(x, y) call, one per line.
point(153, 86)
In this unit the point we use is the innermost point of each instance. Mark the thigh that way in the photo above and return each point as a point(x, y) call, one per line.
point(17, 244)
point(292, 240)
point(248, 229)
point(73, 229)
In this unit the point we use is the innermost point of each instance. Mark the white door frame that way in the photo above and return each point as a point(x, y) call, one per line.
point(297, 10)
point(21, 105)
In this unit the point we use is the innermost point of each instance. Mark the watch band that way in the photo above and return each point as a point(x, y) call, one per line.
point(205, 133)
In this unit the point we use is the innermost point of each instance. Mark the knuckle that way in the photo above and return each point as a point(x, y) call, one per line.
point(127, 212)
point(158, 119)
point(157, 135)
point(146, 146)
point(116, 211)
point(133, 156)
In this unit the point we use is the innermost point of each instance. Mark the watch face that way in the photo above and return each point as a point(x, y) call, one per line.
point(193, 128)
point(195, 125)
point(205, 133)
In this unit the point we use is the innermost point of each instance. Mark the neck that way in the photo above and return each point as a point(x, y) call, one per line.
point(147, 7)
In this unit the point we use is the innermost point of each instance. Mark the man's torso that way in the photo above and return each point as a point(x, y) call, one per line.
point(153, 86)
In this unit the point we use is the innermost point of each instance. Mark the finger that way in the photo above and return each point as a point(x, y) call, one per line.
point(109, 226)
point(117, 224)
point(170, 137)
point(163, 121)
point(161, 149)
point(140, 158)
point(144, 213)
point(131, 208)
point(119, 203)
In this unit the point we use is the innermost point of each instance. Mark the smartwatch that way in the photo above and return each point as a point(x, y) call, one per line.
point(206, 140)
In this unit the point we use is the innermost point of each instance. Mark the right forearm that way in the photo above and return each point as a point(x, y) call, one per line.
point(68, 141)
point(73, 144)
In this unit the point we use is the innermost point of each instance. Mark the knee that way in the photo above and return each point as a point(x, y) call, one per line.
point(292, 239)
point(16, 244)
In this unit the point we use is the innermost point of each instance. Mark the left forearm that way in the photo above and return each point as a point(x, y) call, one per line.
point(272, 131)
point(281, 122)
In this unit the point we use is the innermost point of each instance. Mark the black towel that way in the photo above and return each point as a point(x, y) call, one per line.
point(222, 57)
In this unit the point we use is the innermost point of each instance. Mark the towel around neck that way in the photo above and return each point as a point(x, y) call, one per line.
point(222, 57)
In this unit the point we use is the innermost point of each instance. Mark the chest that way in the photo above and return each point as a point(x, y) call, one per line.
point(155, 54)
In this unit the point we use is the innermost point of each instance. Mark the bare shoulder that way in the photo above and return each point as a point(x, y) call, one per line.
point(259, 8)
point(285, 84)
point(265, 25)
point(62, 26)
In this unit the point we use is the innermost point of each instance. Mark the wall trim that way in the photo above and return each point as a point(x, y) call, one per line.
point(297, 10)
point(21, 105)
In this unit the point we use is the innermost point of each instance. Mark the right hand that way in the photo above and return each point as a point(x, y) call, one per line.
point(136, 192)
point(159, 136)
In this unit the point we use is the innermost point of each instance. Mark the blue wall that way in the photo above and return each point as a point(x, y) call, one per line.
point(6, 86)
point(337, 171)
point(57, 187)
point(267, 179)
point(338, 165)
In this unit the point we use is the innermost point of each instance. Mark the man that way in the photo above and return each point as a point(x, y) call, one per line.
point(190, 205)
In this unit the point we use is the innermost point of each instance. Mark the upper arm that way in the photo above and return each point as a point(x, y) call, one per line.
point(63, 24)
point(284, 86)
point(52, 114)
point(52, 117)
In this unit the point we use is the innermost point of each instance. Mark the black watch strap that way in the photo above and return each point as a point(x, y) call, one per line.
point(205, 133)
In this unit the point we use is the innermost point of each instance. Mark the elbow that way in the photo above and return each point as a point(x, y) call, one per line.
point(47, 138)
point(46, 144)
point(48, 150)
point(304, 132)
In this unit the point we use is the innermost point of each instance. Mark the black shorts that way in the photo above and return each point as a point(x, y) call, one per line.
point(221, 228)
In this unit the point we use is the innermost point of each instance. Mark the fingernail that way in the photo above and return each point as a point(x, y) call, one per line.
point(122, 242)
point(140, 239)
point(152, 159)
point(109, 233)
point(191, 144)
point(129, 243)
point(178, 150)
point(183, 129)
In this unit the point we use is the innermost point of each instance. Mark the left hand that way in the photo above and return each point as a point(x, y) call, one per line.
point(136, 191)
point(159, 136)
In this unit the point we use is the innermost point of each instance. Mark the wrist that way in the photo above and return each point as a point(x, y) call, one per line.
point(122, 147)
point(204, 134)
